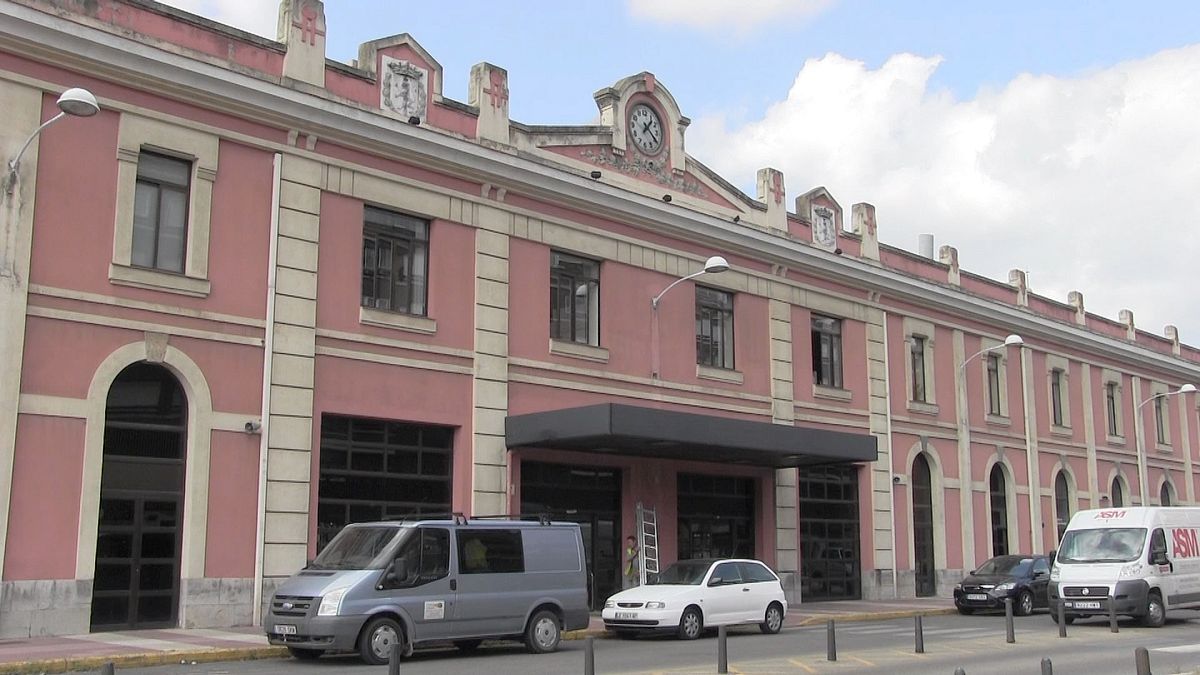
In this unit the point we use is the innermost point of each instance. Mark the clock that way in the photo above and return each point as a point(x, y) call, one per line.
point(645, 128)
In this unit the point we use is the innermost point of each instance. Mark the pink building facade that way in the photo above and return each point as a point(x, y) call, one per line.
point(262, 294)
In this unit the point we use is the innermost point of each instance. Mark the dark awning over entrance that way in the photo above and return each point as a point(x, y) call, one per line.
point(650, 432)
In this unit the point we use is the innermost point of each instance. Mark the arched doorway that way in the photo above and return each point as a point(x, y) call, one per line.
point(922, 496)
point(141, 501)
point(1062, 503)
point(998, 498)
point(1118, 495)
point(1164, 495)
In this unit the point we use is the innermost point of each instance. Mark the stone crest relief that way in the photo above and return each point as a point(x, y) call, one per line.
point(824, 231)
point(404, 89)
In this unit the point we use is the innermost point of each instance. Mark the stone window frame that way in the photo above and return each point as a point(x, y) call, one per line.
point(1072, 497)
point(915, 328)
point(1063, 366)
point(1000, 352)
point(202, 149)
point(1115, 420)
point(1161, 412)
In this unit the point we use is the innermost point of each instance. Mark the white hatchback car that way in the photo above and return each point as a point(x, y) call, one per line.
point(692, 595)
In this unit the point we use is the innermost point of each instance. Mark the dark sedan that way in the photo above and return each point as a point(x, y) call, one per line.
point(1024, 578)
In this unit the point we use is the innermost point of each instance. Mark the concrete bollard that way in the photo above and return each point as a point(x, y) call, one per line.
point(1141, 658)
point(1010, 635)
point(831, 640)
point(722, 650)
point(108, 669)
point(1047, 667)
point(1062, 619)
point(394, 659)
point(589, 656)
point(1112, 616)
point(919, 634)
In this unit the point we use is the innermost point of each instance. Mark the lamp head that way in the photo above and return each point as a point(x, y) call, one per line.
point(715, 265)
point(1013, 340)
point(78, 102)
point(1188, 389)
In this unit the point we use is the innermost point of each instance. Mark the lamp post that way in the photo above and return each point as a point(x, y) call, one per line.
point(964, 448)
point(1139, 438)
point(16, 243)
point(714, 265)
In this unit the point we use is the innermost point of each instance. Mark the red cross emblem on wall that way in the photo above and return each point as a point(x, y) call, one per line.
point(307, 23)
point(777, 186)
point(496, 89)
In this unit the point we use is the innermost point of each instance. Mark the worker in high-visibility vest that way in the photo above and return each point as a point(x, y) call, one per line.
point(632, 577)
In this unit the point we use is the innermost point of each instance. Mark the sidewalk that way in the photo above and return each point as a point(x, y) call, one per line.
point(141, 648)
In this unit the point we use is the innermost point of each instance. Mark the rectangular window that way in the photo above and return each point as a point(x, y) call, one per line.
point(395, 261)
point(488, 551)
point(1110, 407)
point(714, 328)
point(918, 369)
point(827, 351)
point(993, 382)
point(1160, 419)
point(574, 299)
point(160, 212)
point(1056, 397)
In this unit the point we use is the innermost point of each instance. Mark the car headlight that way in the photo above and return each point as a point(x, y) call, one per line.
point(609, 604)
point(331, 603)
point(958, 586)
point(1131, 571)
point(656, 605)
point(1006, 586)
point(1055, 573)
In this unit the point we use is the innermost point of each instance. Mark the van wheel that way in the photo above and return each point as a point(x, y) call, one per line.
point(1156, 613)
point(772, 620)
point(467, 645)
point(305, 654)
point(543, 633)
point(690, 624)
point(375, 643)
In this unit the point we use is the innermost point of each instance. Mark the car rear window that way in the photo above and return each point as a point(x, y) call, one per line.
point(753, 572)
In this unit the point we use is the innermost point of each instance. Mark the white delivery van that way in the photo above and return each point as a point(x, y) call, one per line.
point(1145, 561)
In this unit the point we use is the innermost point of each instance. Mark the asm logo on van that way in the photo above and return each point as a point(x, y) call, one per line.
point(1111, 513)
point(1185, 543)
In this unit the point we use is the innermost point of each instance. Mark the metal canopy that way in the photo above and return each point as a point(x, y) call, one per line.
point(619, 429)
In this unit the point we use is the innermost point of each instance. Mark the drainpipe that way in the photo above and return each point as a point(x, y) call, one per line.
point(268, 349)
point(887, 402)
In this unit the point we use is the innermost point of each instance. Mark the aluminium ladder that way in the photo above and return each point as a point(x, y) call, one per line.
point(647, 542)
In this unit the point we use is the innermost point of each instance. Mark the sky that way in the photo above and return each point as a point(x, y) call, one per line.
point(1059, 138)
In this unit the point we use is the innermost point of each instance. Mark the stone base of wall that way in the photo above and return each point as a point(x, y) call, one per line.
point(45, 607)
point(877, 584)
point(791, 586)
point(216, 602)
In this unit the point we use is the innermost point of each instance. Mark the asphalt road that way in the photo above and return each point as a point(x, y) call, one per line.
point(974, 643)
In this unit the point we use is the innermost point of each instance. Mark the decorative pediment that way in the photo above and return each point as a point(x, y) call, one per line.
point(619, 105)
point(409, 78)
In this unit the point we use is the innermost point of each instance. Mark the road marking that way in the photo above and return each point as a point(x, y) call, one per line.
point(1181, 649)
point(801, 664)
point(860, 660)
point(912, 654)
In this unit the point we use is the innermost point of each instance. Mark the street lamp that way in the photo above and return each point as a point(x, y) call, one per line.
point(964, 439)
point(1139, 437)
point(75, 102)
point(714, 265)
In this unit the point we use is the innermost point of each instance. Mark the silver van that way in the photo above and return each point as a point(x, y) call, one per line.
point(416, 582)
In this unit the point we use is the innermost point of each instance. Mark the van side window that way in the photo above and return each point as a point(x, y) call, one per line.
point(424, 557)
point(490, 551)
point(1158, 545)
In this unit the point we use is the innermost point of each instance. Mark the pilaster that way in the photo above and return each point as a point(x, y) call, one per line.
point(783, 411)
point(1089, 434)
point(489, 405)
point(965, 482)
point(883, 520)
point(1029, 407)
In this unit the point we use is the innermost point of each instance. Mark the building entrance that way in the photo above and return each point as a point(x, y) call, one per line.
point(829, 552)
point(590, 496)
point(141, 502)
point(716, 516)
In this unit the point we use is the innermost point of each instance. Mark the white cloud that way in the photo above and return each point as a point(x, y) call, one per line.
point(260, 17)
point(739, 15)
point(1089, 183)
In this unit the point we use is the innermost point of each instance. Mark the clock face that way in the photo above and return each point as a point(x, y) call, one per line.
point(645, 129)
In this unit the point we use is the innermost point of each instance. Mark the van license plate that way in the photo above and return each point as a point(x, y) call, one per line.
point(1087, 604)
point(977, 596)
point(626, 615)
point(285, 629)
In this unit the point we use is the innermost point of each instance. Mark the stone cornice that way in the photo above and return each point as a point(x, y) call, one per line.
point(52, 39)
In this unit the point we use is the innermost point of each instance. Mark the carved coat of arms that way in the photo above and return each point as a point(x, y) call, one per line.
point(404, 90)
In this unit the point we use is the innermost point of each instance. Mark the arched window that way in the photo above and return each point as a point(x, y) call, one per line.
point(999, 502)
point(1118, 496)
point(1164, 495)
point(1062, 503)
point(922, 496)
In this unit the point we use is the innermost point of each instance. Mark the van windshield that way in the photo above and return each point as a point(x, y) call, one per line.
point(1107, 545)
point(357, 548)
